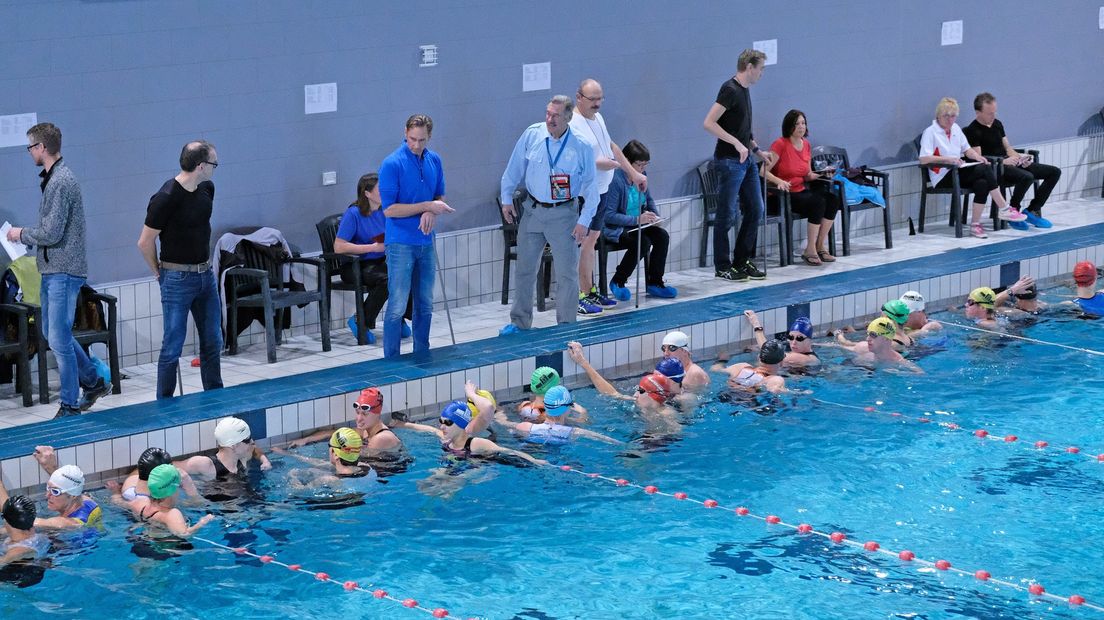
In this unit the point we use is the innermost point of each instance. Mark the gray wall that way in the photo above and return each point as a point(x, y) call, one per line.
point(130, 81)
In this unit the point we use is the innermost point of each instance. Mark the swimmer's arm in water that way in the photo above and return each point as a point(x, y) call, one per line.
point(116, 494)
point(314, 437)
point(421, 428)
point(910, 366)
point(500, 417)
point(578, 414)
point(575, 352)
point(775, 385)
point(262, 459)
point(301, 457)
point(488, 447)
point(756, 327)
point(15, 554)
point(582, 432)
point(58, 523)
point(174, 521)
point(187, 484)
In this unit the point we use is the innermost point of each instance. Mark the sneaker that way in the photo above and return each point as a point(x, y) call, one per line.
point(65, 411)
point(752, 271)
point(406, 333)
point(585, 307)
point(509, 329)
point(370, 338)
point(92, 394)
point(662, 290)
point(732, 273)
point(620, 292)
point(1018, 225)
point(1037, 220)
point(599, 299)
point(1011, 215)
point(977, 232)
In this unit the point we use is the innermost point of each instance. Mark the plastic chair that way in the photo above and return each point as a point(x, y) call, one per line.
point(959, 195)
point(711, 198)
point(331, 264)
point(509, 253)
point(834, 156)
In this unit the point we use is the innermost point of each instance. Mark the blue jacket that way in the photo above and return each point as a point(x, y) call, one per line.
point(615, 206)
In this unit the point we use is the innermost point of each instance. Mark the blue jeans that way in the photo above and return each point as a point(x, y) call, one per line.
point(183, 292)
point(59, 305)
point(741, 204)
point(411, 270)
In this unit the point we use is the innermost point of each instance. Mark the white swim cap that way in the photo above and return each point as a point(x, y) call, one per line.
point(68, 479)
point(677, 339)
point(914, 301)
point(230, 432)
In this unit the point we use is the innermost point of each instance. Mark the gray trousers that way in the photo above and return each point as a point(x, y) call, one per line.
point(553, 226)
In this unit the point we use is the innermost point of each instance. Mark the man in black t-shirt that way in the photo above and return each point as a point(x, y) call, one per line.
point(737, 172)
point(1020, 169)
point(180, 214)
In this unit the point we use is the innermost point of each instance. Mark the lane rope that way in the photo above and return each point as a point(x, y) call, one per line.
point(1024, 338)
point(1034, 588)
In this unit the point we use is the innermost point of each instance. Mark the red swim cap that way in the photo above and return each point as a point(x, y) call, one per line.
point(371, 397)
point(657, 386)
point(1084, 273)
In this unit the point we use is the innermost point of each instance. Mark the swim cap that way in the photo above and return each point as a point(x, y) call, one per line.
point(371, 397)
point(803, 326)
point(881, 326)
point(772, 352)
point(69, 479)
point(485, 394)
point(457, 411)
point(914, 301)
point(672, 369)
point(164, 480)
point(529, 411)
point(1028, 294)
point(230, 432)
point(1084, 273)
point(346, 443)
point(542, 379)
point(151, 457)
point(20, 512)
point(656, 386)
point(984, 297)
point(896, 310)
point(679, 339)
point(557, 401)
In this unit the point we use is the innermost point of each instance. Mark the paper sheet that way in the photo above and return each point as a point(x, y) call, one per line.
point(14, 250)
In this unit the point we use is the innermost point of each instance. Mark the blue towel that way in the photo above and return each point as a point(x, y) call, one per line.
point(854, 193)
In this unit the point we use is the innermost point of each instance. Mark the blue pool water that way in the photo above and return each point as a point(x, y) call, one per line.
point(505, 541)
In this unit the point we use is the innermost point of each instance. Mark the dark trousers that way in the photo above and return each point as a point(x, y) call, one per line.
point(1022, 178)
point(978, 180)
point(373, 275)
point(816, 203)
point(654, 242)
point(740, 204)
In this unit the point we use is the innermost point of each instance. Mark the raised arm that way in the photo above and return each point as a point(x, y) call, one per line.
point(575, 351)
point(485, 407)
point(756, 327)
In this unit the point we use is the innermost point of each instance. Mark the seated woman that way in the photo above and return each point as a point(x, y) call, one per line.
point(944, 143)
point(816, 202)
point(626, 210)
point(361, 234)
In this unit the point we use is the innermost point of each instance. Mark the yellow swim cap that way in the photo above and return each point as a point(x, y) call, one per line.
point(984, 297)
point(346, 442)
point(485, 394)
point(881, 326)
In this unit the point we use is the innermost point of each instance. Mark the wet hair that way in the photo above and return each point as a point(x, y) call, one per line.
point(983, 99)
point(366, 183)
point(20, 512)
point(195, 153)
point(635, 151)
point(420, 120)
point(48, 135)
point(750, 57)
point(151, 458)
point(789, 123)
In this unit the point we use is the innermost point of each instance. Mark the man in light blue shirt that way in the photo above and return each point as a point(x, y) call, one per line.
point(557, 169)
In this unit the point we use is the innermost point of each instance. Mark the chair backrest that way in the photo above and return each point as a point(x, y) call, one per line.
point(327, 232)
point(707, 175)
point(510, 231)
point(260, 257)
point(825, 156)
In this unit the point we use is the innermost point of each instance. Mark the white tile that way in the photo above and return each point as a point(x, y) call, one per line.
point(103, 453)
point(207, 435)
point(86, 457)
point(9, 472)
point(174, 441)
point(289, 419)
point(120, 453)
point(30, 473)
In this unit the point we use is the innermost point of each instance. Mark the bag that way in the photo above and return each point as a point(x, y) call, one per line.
point(90, 314)
point(858, 176)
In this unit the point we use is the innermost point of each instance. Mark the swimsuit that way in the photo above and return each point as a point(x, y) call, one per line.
point(89, 513)
point(463, 453)
point(749, 378)
point(550, 434)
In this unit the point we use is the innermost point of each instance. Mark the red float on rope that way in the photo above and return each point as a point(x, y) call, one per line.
point(1010, 438)
point(1073, 449)
point(837, 537)
point(565, 468)
point(680, 495)
point(982, 575)
point(265, 559)
point(924, 420)
point(409, 603)
point(710, 503)
point(742, 511)
point(870, 545)
point(1037, 589)
point(773, 519)
point(440, 613)
point(804, 528)
point(294, 566)
point(650, 489)
point(1041, 444)
point(379, 593)
point(322, 576)
point(981, 432)
point(942, 564)
point(350, 586)
point(870, 409)
point(240, 550)
point(1077, 599)
point(1100, 457)
point(621, 482)
point(907, 555)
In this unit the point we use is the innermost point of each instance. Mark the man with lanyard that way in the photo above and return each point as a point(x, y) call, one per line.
point(589, 124)
point(180, 214)
point(557, 168)
point(412, 193)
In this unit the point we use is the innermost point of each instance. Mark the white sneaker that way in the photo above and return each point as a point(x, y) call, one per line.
point(1011, 215)
point(977, 232)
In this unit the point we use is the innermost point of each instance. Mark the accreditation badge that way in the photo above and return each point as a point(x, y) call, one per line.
point(560, 186)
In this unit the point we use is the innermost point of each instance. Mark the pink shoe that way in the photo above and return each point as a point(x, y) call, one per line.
point(977, 232)
point(1011, 215)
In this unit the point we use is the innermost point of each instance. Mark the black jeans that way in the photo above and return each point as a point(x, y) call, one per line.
point(978, 180)
point(1022, 179)
point(373, 276)
point(654, 242)
point(816, 202)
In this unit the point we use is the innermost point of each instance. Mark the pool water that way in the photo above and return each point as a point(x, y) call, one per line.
point(510, 541)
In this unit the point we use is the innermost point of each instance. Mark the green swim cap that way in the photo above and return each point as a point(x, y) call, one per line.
point(543, 379)
point(164, 480)
point(896, 310)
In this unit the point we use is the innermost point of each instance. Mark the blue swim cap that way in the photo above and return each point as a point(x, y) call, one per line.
point(457, 411)
point(802, 325)
point(671, 368)
point(557, 400)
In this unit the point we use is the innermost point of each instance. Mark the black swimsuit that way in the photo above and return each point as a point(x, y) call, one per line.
point(457, 452)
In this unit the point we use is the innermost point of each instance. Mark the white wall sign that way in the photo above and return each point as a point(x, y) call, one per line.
point(768, 47)
point(319, 98)
point(1101, 18)
point(13, 128)
point(537, 76)
point(952, 33)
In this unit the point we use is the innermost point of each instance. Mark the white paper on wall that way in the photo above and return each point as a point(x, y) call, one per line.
point(952, 33)
point(13, 128)
point(537, 76)
point(768, 47)
point(319, 98)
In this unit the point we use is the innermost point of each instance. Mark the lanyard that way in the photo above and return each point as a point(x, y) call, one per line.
point(552, 161)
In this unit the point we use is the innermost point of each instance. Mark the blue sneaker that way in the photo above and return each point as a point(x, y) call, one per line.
point(406, 333)
point(1037, 221)
point(599, 299)
point(585, 307)
point(664, 291)
point(1018, 225)
point(509, 329)
point(620, 292)
point(370, 338)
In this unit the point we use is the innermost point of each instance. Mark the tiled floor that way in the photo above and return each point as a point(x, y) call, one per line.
point(301, 353)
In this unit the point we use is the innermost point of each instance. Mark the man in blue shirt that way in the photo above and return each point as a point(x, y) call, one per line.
point(557, 168)
point(412, 191)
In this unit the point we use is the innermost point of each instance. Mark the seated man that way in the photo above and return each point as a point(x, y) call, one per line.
point(765, 376)
point(877, 349)
point(554, 430)
point(1088, 298)
point(1020, 170)
point(64, 495)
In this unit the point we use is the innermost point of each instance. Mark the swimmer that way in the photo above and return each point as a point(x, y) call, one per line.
point(235, 450)
point(542, 380)
point(23, 542)
point(158, 509)
point(981, 307)
point(1088, 298)
point(376, 438)
point(918, 325)
point(801, 353)
point(64, 495)
point(135, 485)
point(575, 352)
point(1023, 297)
point(455, 441)
point(677, 345)
point(897, 311)
point(765, 376)
point(877, 349)
point(345, 455)
point(653, 396)
point(552, 431)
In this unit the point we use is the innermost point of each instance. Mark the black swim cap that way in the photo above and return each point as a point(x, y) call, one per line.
point(151, 458)
point(19, 511)
point(772, 352)
point(1028, 294)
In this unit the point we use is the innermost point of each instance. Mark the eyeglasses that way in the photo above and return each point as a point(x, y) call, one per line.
point(798, 338)
point(213, 164)
point(445, 422)
point(31, 146)
point(593, 99)
point(357, 406)
point(669, 348)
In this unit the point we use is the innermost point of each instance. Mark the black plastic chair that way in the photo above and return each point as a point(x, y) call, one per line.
point(711, 198)
point(108, 336)
point(960, 196)
point(332, 262)
point(509, 253)
point(264, 271)
point(1034, 153)
point(21, 346)
point(781, 200)
point(834, 156)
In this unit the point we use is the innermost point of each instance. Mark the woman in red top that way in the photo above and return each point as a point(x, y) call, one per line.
point(816, 202)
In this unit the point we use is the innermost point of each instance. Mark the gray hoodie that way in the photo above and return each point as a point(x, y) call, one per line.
point(59, 236)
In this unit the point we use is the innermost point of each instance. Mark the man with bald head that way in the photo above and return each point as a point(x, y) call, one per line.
point(588, 123)
point(180, 214)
